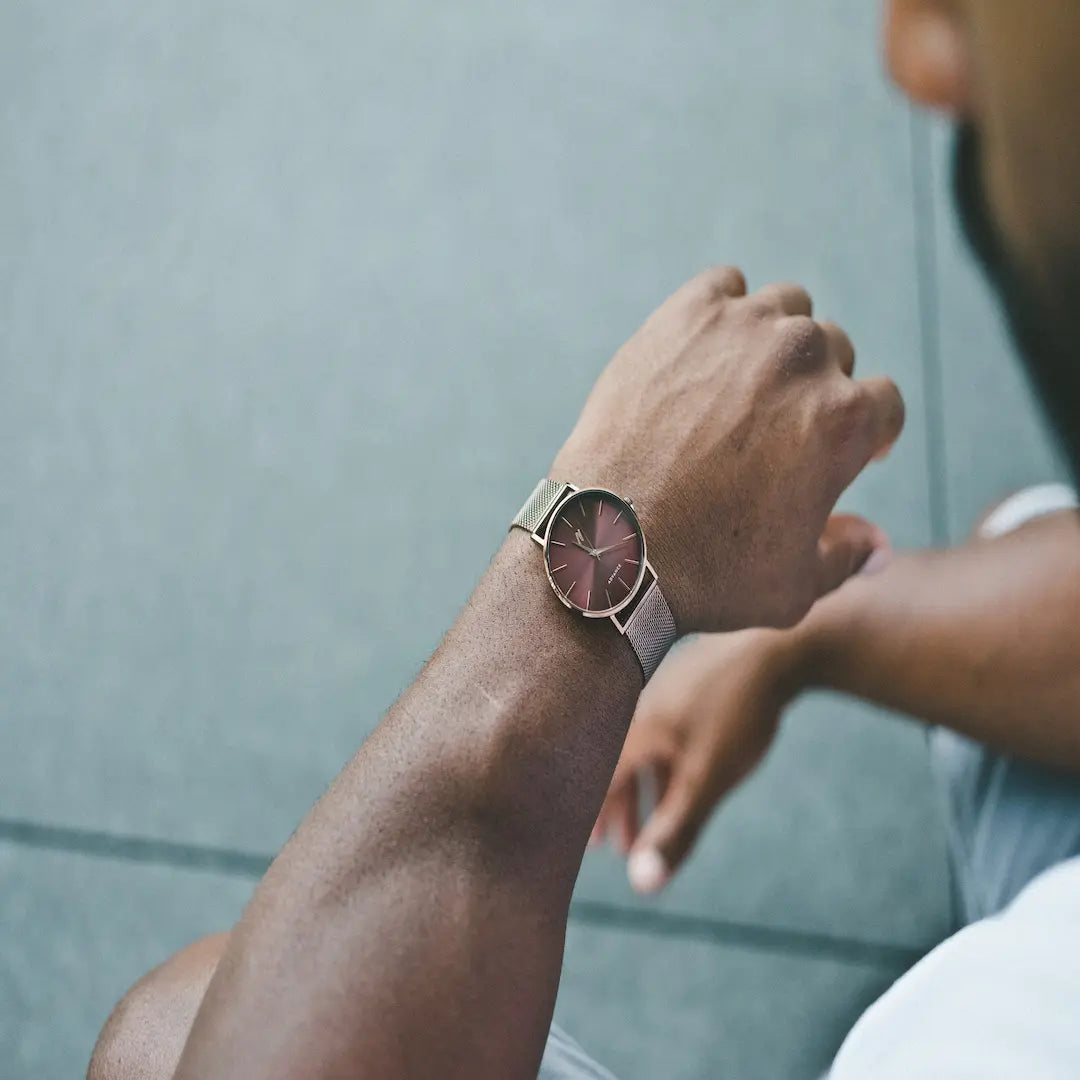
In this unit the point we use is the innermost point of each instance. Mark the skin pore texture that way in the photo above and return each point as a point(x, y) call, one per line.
point(413, 925)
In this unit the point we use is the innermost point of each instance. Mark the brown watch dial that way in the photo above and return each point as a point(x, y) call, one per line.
point(594, 552)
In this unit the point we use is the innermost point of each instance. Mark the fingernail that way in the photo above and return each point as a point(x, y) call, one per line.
point(878, 560)
point(647, 870)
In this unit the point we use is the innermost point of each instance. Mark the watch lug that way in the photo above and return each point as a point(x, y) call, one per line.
point(621, 619)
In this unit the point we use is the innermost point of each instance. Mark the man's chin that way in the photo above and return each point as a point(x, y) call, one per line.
point(1044, 323)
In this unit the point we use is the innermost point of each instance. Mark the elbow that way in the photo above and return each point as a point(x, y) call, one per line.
point(145, 1035)
point(122, 1051)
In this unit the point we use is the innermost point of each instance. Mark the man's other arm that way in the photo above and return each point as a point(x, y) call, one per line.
point(984, 639)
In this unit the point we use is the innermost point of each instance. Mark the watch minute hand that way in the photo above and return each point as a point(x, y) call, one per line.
point(611, 547)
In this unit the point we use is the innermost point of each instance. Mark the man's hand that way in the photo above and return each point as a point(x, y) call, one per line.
point(734, 423)
point(701, 726)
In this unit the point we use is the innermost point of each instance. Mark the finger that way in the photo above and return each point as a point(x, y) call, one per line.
point(600, 826)
point(652, 783)
point(840, 347)
point(625, 819)
point(618, 817)
point(784, 298)
point(667, 836)
point(885, 416)
point(613, 800)
point(846, 545)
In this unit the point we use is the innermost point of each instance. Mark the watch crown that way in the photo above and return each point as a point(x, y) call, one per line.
point(629, 502)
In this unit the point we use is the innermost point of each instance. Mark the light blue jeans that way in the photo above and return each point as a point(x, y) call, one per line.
point(1006, 821)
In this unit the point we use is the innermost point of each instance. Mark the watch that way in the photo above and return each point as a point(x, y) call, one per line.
point(595, 560)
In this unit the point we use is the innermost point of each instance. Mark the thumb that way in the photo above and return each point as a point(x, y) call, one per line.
point(845, 547)
point(668, 835)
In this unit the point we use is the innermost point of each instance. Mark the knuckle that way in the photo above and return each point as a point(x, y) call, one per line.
point(759, 307)
point(835, 330)
point(800, 343)
point(766, 298)
point(895, 405)
point(848, 413)
point(782, 295)
point(838, 335)
point(721, 281)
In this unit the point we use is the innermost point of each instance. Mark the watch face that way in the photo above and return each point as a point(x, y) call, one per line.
point(595, 552)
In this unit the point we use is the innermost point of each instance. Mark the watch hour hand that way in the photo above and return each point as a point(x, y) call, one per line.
point(581, 542)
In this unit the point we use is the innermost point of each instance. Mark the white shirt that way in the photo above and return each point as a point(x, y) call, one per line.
point(1000, 999)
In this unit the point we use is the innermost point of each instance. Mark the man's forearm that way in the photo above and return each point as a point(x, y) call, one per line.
point(429, 943)
point(983, 639)
point(413, 926)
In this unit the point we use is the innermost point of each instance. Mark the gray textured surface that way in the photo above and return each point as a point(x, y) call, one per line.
point(295, 306)
point(79, 931)
point(674, 1010)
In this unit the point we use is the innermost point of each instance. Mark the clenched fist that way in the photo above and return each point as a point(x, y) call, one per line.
point(734, 422)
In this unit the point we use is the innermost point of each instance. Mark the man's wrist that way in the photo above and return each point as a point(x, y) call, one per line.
point(516, 600)
point(820, 644)
point(789, 655)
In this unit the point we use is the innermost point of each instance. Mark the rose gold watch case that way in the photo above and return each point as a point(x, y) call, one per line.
point(643, 570)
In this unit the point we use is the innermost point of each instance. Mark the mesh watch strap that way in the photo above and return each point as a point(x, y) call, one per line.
point(545, 495)
point(650, 629)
